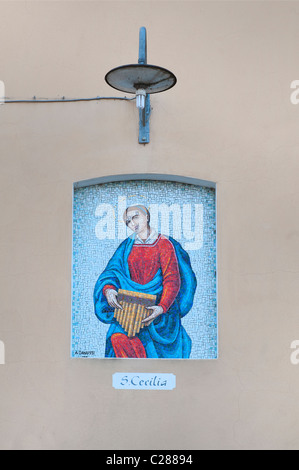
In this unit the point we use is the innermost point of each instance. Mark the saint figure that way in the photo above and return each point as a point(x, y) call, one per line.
point(149, 263)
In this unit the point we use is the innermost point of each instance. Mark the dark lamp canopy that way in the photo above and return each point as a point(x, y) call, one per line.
point(130, 78)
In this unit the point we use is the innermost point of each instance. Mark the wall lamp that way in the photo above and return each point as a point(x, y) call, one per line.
point(142, 80)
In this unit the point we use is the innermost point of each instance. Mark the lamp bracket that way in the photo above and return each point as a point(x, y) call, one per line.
point(144, 114)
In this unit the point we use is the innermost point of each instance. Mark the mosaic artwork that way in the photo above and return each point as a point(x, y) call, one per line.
point(144, 271)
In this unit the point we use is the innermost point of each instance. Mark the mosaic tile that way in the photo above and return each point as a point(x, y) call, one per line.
point(186, 213)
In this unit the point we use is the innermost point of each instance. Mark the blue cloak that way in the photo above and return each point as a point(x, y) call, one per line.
point(165, 337)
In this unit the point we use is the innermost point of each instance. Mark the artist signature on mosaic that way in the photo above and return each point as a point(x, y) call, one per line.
point(85, 353)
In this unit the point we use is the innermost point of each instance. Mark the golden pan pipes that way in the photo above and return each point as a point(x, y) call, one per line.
point(134, 310)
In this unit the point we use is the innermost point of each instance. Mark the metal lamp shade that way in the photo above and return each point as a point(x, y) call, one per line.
point(130, 78)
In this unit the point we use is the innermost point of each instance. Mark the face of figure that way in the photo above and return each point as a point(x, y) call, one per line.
point(137, 221)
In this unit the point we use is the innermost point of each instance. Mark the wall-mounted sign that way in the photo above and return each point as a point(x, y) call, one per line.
point(143, 381)
point(144, 271)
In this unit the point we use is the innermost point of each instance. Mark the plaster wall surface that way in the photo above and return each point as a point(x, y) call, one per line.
point(228, 120)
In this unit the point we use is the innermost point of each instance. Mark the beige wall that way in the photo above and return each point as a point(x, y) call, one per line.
point(228, 120)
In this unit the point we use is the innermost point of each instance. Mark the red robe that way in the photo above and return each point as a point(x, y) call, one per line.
point(144, 262)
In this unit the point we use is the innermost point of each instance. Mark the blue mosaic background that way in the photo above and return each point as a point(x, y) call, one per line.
point(91, 254)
